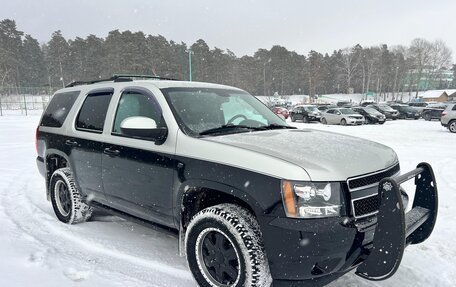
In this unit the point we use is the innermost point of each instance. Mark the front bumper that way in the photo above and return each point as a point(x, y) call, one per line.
point(355, 121)
point(300, 250)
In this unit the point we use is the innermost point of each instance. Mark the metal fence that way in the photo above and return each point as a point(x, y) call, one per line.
point(23, 100)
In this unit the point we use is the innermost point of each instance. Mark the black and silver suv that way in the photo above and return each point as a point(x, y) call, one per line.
point(255, 201)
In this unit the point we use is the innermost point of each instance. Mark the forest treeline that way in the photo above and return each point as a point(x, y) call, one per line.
point(24, 62)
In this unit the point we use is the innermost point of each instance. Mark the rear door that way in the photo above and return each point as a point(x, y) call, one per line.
point(85, 145)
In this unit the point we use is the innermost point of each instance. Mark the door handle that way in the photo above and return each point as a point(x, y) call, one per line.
point(111, 152)
point(71, 143)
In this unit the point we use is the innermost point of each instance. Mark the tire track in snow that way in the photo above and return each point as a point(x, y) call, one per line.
point(40, 224)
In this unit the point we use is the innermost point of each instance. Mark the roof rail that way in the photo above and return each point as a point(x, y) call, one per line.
point(118, 78)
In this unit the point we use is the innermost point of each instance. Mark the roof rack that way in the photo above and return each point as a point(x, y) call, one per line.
point(119, 78)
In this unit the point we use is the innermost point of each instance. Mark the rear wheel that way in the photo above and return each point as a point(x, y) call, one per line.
point(225, 248)
point(452, 126)
point(427, 116)
point(305, 119)
point(343, 122)
point(66, 199)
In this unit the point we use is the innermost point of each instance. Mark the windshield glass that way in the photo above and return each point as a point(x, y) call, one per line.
point(385, 108)
point(347, 111)
point(372, 111)
point(197, 110)
point(311, 109)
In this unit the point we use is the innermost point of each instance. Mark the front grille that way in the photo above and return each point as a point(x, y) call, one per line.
point(365, 206)
point(372, 178)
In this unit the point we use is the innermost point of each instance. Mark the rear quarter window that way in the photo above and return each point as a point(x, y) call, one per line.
point(58, 109)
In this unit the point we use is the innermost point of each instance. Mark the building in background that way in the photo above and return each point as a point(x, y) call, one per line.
point(430, 80)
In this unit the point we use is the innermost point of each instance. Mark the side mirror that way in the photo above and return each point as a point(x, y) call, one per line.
point(143, 128)
point(339, 113)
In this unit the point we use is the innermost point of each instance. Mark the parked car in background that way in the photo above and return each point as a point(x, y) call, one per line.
point(372, 116)
point(324, 107)
point(281, 111)
point(389, 112)
point(344, 104)
point(305, 113)
point(448, 118)
point(433, 111)
point(406, 112)
point(419, 106)
point(342, 116)
point(366, 103)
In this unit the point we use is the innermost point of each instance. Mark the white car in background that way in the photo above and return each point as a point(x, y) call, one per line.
point(342, 116)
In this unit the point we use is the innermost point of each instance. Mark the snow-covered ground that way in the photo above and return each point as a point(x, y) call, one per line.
point(38, 250)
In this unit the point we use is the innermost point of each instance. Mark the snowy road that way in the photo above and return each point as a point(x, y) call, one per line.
point(37, 250)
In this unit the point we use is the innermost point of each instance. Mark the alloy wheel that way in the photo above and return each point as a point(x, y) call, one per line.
point(218, 258)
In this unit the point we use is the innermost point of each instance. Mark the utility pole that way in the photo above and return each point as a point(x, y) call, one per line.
point(264, 78)
point(190, 52)
point(395, 83)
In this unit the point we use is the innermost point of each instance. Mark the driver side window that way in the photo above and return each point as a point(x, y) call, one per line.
point(239, 110)
point(136, 104)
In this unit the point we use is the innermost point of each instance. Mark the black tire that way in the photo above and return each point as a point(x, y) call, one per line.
point(323, 121)
point(305, 119)
point(292, 119)
point(241, 262)
point(452, 126)
point(343, 122)
point(66, 199)
point(381, 122)
point(427, 117)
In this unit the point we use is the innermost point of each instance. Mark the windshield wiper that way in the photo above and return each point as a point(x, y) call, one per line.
point(277, 126)
point(230, 128)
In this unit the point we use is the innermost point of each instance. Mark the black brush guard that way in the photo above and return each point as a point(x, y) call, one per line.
point(396, 229)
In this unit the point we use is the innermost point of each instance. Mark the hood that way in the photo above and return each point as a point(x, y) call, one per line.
point(325, 156)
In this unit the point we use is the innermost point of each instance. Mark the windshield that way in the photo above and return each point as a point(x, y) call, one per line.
point(347, 111)
point(311, 109)
point(198, 110)
point(386, 108)
point(372, 111)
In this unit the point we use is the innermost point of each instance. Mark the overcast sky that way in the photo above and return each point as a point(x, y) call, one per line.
point(244, 26)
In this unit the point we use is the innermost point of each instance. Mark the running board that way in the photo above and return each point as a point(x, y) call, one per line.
point(396, 229)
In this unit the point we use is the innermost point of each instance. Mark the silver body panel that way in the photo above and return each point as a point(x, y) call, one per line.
point(288, 154)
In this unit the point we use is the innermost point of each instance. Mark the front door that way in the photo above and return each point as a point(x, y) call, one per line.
point(137, 173)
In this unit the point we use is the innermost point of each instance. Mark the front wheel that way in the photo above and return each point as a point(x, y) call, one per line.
point(66, 199)
point(292, 118)
point(343, 122)
point(323, 121)
point(225, 248)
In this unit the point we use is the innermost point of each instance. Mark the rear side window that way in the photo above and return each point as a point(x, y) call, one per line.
point(454, 108)
point(92, 115)
point(58, 109)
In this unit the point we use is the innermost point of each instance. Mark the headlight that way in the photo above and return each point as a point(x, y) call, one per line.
point(311, 199)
